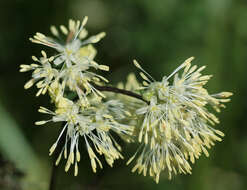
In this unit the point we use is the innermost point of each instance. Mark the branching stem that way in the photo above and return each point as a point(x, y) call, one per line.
point(120, 91)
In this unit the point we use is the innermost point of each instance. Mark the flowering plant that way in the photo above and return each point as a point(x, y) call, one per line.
point(170, 119)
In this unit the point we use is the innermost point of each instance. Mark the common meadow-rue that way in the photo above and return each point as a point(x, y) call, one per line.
point(176, 126)
point(170, 119)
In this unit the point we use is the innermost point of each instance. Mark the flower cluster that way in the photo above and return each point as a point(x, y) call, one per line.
point(170, 119)
point(176, 124)
point(70, 65)
point(86, 116)
point(93, 124)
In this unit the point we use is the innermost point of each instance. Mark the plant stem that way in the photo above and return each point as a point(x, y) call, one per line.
point(119, 91)
point(53, 177)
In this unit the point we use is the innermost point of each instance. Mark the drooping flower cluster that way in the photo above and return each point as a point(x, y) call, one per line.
point(176, 124)
point(170, 119)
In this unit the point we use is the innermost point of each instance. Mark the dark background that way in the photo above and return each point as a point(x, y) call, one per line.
point(161, 34)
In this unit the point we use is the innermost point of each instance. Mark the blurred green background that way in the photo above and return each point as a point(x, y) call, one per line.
point(161, 34)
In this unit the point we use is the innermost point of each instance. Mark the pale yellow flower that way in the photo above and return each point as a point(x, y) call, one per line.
point(176, 124)
point(75, 35)
point(42, 72)
point(91, 125)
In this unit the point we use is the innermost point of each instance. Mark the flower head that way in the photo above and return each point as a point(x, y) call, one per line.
point(69, 49)
point(42, 72)
point(76, 54)
point(92, 125)
point(176, 123)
